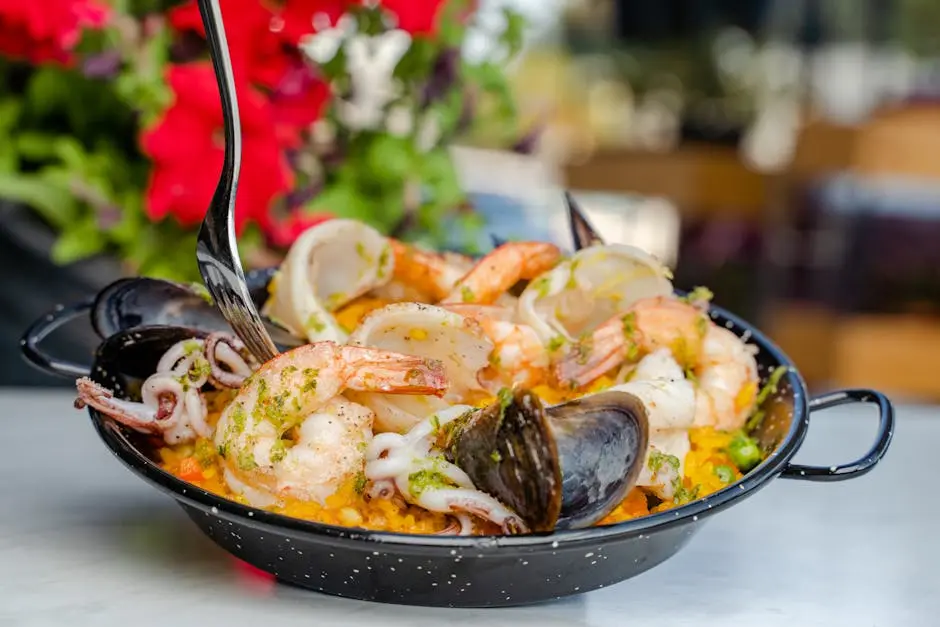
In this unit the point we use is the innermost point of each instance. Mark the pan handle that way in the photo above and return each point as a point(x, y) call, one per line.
point(40, 329)
point(865, 463)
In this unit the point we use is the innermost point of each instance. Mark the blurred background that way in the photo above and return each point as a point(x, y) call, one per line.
point(781, 152)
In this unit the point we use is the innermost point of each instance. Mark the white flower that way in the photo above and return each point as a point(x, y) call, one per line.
point(399, 120)
point(370, 63)
point(321, 46)
point(429, 132)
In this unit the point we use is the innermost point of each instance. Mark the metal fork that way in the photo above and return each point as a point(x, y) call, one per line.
point(216, 247)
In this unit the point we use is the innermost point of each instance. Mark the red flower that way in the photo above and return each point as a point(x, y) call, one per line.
point(264, 52)
point(297, 17)
point(283, 234)
point(256, 50)
point(186, 148)
point(421, 17)
point(47, 31)
point(299, 100)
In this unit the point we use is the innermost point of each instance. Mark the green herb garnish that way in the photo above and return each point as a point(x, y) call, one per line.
point(423, 480)
point(773, 381)
point(278, 451)
point(744, 452)
point(361, 481)
point(314, 323)
point(699, 294)
point(658, 458)
point(724, 473)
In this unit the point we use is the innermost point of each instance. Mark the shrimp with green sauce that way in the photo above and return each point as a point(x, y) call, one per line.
point(289, 432)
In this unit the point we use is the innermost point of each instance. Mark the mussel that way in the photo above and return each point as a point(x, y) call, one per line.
point(142, 301)
point(560, 467)
point(126, 358)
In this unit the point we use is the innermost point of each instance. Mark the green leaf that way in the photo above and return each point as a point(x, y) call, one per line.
point(514, 33)
point(9, 114)
point(71, 153)
point(53, 202)
point(440, 176)
point(417, 61)
point(36, 146)
point(388, 160)
point(448, 110)
point(78, 241)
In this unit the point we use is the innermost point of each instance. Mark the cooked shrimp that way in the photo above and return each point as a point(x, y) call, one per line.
point(289, 433)
point(518, 358)
point(652, 323)
point(432, 275)
point(502, 268)
point(727, 381)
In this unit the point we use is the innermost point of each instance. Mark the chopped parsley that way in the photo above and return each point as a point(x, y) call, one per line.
point(310, 380)
point(699, 294)
point(466, 294)
point(426, 479)
point(361, 251)
point(572, 282)
point(496, 457)
point(239, 416)
point(724, 473)
point(278, 451)
point(504, 396)
point(383, 262)
point(773, 382)
point(204, 452)
point(658, 459)
point(701, 326)
point(315, 324)
point(191, 347)
point(541, 286)
point(584, 348)
point(744, 452)
point(682, 494)
point(555, 343)
point(201, 292)
point(333, 301)
point(628, 322)
point(360, 484)
point(246, 461)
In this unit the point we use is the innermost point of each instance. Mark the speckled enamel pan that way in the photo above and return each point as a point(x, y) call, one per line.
point(487, 571)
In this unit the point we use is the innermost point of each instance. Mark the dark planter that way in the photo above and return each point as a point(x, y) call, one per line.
point(32, 285)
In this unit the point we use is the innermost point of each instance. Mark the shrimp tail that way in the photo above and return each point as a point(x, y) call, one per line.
point(502, 268)
point(417, 267)
point(393, 373)
point(590, 357)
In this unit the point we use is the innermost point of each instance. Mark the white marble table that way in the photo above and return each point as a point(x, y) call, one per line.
point(83, 542)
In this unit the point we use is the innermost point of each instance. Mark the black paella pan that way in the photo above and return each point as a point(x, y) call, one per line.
point(487, 571)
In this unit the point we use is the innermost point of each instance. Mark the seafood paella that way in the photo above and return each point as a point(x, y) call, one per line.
point(433, 393)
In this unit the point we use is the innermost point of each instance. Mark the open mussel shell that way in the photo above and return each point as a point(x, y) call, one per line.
point(124, 360)
point(561, 467)
point(583, 233)
point(142, 301)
